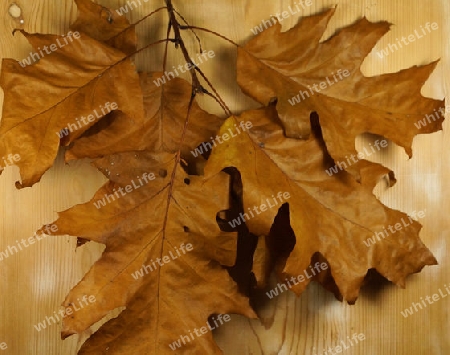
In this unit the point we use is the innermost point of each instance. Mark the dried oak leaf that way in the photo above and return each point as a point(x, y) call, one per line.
point(330, 215)
point(77, 79)
point(150, 222)
point(282, 65)
point(165, 113)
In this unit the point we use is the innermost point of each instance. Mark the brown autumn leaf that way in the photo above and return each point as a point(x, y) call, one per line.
point(165, 113)
point(330, 215)
point(307, 76)
point(79, 77)
point(152, 221)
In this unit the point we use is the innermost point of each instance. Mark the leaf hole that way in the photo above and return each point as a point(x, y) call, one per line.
point(273, 101)
point(187, 181)
point(106, 14)
point(162, 173)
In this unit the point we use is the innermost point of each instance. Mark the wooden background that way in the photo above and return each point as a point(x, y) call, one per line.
point(33, 282)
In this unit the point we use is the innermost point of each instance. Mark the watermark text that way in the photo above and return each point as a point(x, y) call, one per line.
point(303, 95)
point(355, 158)
point(129, 188)
point(281, 287)
point(295, 9)
point(34, 57)
point(9, 160)
point(169, 75)
point(346, 344)
point(392, 47)
point(392, 229)
point(262, 208)
point(162, 261)
point(131, 5)
point(84, 121)
point(429, 300)
point(433, 117)
point(14, 249)
point(206, 146)
point(217, 320)
point(85, 301)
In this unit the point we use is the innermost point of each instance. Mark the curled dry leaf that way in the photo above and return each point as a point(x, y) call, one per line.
point(82, 77)
point(330, 215)
point(153, 221)
point(307, 76)
point(165, 113)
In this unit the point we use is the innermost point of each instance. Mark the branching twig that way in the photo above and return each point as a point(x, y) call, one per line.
point(195, 34)
point(175, 25)
point(196, 85)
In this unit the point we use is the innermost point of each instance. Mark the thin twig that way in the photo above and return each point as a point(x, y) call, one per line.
point(196, 85)
point(220, 103)
point(216, 94)
point(209, 31)
point(195, 34)
point(149, 45)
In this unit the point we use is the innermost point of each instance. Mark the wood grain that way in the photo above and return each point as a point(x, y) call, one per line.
point(33, 282)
